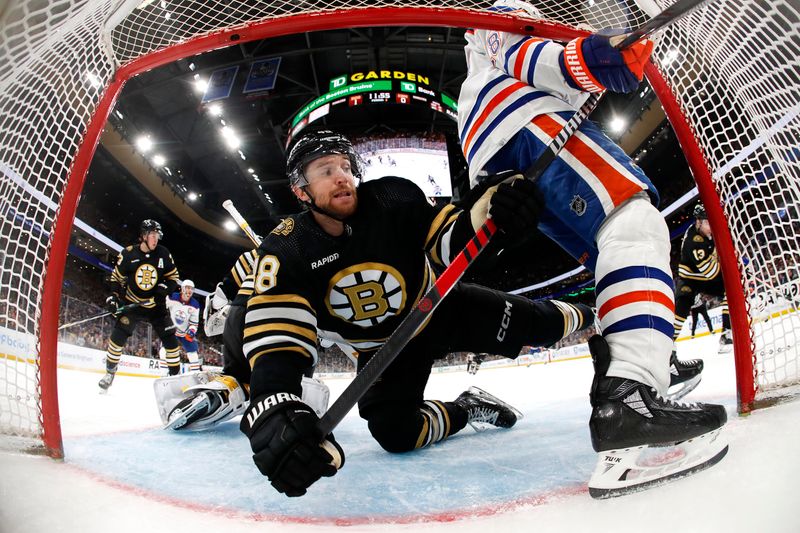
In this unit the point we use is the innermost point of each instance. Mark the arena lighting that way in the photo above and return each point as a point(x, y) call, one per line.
point(230, 137)
point(230, 225)
point(192, 196)
point(159, 160)
point(215, 109)
point(618, 125)
point(200, 85)
point(144, 144)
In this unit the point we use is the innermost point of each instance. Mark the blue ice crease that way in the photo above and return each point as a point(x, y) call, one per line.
point(543, 454)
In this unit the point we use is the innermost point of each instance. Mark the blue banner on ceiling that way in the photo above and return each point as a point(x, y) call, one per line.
point(220, 84)
point(262, 76)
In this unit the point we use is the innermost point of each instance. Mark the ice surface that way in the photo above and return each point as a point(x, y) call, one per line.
point(123, 473)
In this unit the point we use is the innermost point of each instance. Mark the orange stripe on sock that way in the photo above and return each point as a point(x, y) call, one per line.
point(634, 297)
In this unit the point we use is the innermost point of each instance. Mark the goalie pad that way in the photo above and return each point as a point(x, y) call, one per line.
point(186, 402)
point(173, 390)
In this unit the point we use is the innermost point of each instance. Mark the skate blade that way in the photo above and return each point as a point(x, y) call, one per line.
point(628, 470)
point(180, 417)
point(483, 394)
point(679, 390)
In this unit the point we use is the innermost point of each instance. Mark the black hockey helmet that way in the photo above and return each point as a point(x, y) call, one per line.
point(315, 144)
point(149, 225)
point(700, 212)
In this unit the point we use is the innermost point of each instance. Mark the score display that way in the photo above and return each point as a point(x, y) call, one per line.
point(375, 87)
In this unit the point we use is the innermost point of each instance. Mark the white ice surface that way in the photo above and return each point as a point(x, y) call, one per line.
point(123, 474)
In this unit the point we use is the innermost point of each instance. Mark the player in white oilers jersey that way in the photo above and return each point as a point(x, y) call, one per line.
point(598, 205)
point(185, 313)
point(378, 242)
point(141, 280)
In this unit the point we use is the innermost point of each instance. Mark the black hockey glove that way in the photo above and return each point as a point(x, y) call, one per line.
point(112, 304)
point(162, 289)
point(516, 205)
point(287, 446)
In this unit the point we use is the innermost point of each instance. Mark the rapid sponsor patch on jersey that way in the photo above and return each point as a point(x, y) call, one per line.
point(324, 261)
point(366, 294)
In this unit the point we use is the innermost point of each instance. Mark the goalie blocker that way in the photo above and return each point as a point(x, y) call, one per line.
point(201, 400)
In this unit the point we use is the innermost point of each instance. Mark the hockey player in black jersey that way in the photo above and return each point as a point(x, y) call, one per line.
point(699, 272)
point(142, 278)
point(350, 268)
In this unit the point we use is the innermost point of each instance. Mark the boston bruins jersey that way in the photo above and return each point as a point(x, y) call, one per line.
point(355, 288)
point(238, 284)
point(698, 257)
point(137, 274)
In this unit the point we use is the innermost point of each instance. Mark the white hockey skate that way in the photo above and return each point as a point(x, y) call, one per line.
point(726, 342)
point(644, 439)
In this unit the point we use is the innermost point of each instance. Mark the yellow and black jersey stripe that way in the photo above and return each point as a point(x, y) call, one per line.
point(284, 322)
point(244, 267)
point(438, 241)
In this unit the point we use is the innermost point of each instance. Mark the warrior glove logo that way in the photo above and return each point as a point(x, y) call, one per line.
point(366, 294)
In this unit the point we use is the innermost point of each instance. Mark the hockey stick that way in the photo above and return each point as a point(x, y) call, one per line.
point(118, 312)
point(431, 299)
point(239, 219)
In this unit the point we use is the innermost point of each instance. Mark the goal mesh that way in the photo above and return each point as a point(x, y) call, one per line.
point(729, 71)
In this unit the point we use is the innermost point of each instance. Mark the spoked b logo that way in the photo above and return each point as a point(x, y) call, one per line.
point(366, 294)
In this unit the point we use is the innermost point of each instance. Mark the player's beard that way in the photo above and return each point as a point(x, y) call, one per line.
point(341, 206)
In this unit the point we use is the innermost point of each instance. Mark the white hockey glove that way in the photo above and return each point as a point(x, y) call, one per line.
point(215, 312)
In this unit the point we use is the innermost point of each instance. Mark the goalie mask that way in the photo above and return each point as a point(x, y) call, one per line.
point(316, 144)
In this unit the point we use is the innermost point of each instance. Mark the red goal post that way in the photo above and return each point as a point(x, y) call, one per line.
point(726, 76)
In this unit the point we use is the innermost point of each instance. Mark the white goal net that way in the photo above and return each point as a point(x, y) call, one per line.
point(727, 76)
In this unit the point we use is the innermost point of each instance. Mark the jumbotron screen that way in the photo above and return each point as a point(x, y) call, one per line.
point(419, 158)
point(374, 87)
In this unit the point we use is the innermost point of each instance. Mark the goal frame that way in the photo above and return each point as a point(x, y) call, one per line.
point(363, 17)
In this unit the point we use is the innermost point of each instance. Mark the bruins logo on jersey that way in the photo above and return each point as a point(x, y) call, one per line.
point(366, 294)
point(146, 277)
point(698, 238)
point(284, 228)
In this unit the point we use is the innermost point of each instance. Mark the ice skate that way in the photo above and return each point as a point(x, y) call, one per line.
point(726, 342)
point(484, 410)
point(105, 381)
point(684, 376)
point(644, 439)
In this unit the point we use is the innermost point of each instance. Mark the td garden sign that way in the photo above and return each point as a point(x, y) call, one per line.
point(375, 87)
point(341, 81)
